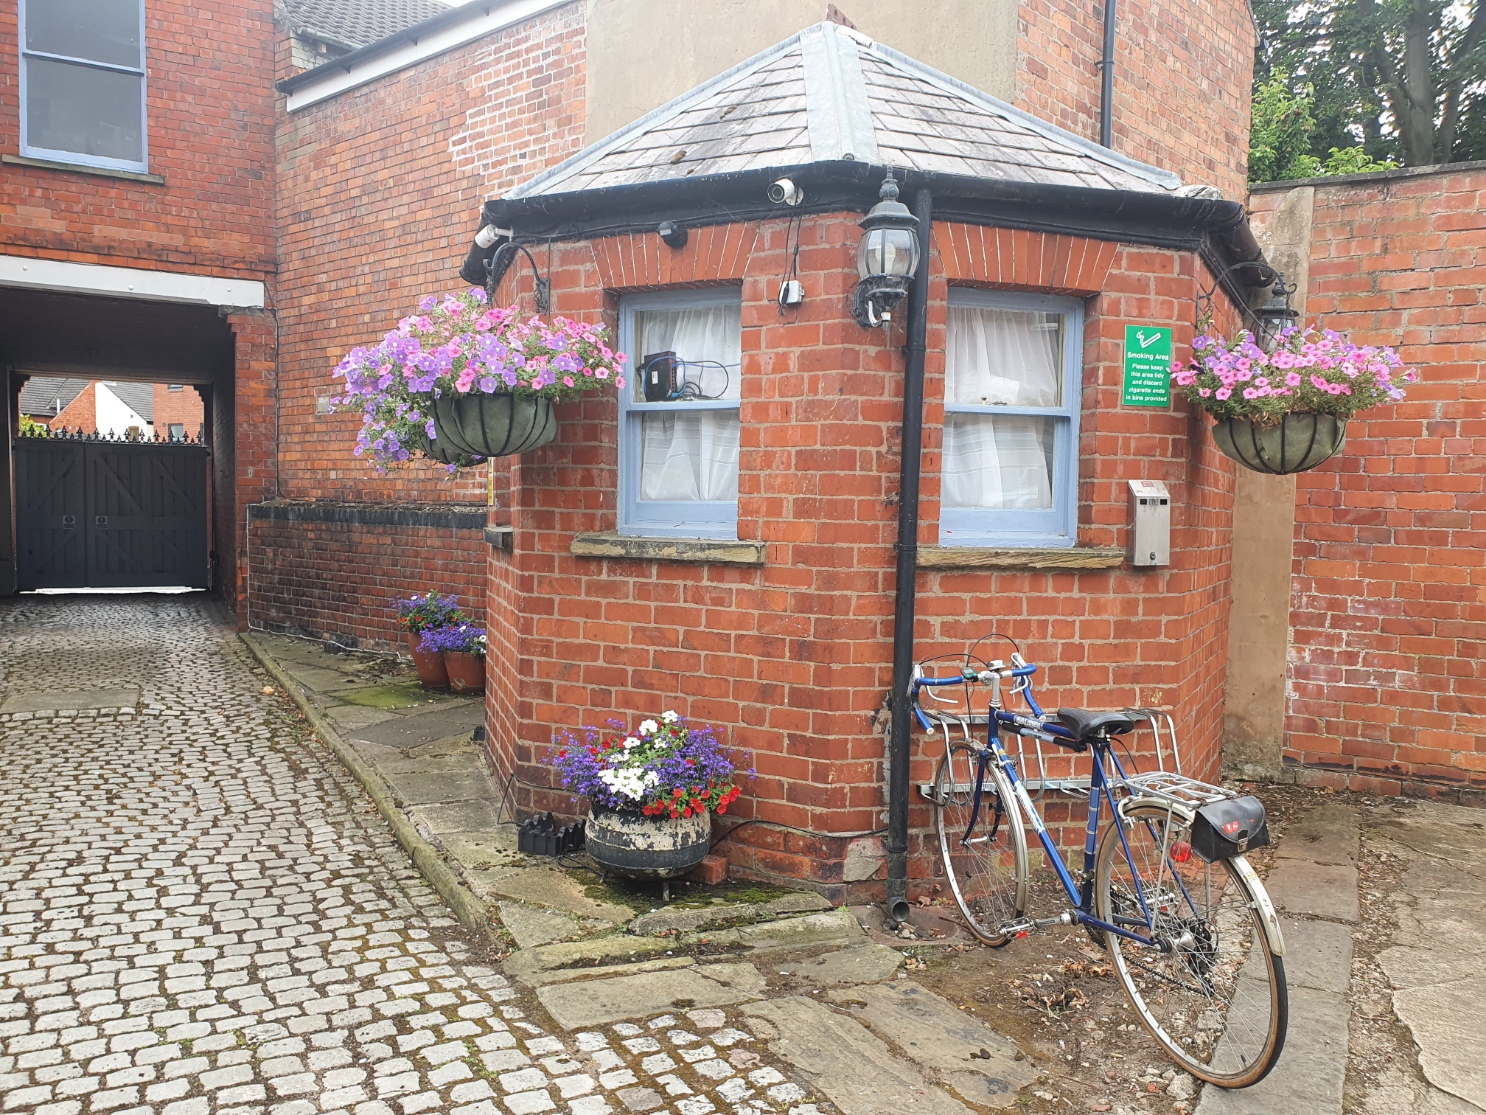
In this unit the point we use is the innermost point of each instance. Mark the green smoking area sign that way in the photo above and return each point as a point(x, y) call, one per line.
point(1147, 366)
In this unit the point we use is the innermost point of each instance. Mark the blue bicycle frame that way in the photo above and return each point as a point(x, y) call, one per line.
point(1100, 791)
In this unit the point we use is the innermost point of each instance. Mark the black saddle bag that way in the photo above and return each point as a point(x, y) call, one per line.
point(1229, 828)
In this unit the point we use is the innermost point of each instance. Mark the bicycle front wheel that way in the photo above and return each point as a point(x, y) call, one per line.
point(1214, 992)
point(984, 850)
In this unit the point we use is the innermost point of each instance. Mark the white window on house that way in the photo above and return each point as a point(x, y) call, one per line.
point(678, 414)
point(175, 387)
point(1012, 385)
point(177, 431)
point(82, 87)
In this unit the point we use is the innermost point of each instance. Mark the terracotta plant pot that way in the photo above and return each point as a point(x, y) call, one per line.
point(647, 847)
point(466, 672)
point(430, 667)
point(499, 425)
point(1296, 443)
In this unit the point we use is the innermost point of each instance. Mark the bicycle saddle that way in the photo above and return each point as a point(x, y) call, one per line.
point(1086, 725)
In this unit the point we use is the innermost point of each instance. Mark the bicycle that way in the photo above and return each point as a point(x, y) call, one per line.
point(1188, 926)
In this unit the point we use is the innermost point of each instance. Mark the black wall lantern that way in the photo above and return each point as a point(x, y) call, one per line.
point(1275, 314)
point(887, 257)
point(1267, 319)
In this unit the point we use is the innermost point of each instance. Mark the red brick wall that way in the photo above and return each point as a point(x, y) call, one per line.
point(379, 191)
point(80, 414)
point(792, 659)
point(210, 107)
point(1182, 79)
point(1388, 612)
point(333, 580)
point(182, 407)
point(247, 436)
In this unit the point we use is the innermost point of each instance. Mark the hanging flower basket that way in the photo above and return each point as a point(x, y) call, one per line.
point(651, 793)
point(1297, 442)
point(459, 381)
point(1286, 410)
point(498, 425)
point(441, 450)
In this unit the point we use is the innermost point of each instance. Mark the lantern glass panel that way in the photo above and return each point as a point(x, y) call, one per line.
point(888, 251)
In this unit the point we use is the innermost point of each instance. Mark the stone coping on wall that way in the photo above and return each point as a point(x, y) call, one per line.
point(458, 516)
point(609, 544)
point(985, 557)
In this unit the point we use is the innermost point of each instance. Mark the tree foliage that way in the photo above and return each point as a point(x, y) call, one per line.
point(1280, 141)
point(1401, 79)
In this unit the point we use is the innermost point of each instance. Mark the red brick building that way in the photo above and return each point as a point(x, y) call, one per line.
point(731, 554)
point(384, 155)
point(136, 221)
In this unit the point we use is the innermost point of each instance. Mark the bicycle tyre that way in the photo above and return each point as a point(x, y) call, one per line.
point(989, 896)
point(1217, 1003)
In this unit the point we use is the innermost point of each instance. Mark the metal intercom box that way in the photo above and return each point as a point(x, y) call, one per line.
point(1150, 523)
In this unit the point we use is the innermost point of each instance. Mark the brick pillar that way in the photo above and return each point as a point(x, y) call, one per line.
point(247, 444)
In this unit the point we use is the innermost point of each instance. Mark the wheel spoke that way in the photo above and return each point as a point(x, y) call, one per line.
point(981, 845)
point(1210, 990)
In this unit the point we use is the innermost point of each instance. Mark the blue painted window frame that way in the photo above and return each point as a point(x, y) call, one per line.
point(1051, 527)
point(654, 518)
point(77, 157)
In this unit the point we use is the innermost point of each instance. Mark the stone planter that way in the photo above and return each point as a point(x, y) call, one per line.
point(430, 666)
point(499, 425)
point(647, 847)
point(466, 672)
point(1294, 444)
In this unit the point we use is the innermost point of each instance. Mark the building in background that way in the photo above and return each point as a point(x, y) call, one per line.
point(137, 245)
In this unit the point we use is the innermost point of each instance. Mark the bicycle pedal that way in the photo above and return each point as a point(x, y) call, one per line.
point(1018, 929)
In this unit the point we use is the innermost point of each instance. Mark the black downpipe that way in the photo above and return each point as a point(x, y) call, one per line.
point(1106, 78)
point(903, 613)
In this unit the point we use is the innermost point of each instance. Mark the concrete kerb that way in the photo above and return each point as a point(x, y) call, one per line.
point(473, 914)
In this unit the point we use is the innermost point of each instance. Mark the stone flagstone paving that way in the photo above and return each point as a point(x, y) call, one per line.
point(200, 912)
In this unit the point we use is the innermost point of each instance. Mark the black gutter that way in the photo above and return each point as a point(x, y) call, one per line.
point(412, 34)
point(1158, 219)
point(1106, 78)
point(906, 591)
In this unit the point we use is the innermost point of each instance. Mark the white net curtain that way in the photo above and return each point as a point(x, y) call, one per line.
point(1000, 358)
point(689, 454)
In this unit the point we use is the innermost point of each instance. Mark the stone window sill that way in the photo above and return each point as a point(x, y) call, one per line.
point(983, 557)
point(700, 550)
point(75, 168)
point(501, 538)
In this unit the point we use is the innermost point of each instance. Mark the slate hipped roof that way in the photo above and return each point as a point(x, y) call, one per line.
point(355, 23)
point(831, 93)
point(47, 396)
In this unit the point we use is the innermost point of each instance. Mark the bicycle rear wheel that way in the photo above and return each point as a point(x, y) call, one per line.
point(986, 862)
point(1215, 997)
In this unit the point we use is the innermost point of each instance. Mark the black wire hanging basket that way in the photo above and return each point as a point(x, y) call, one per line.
point(1299, 441)
point(497, 425)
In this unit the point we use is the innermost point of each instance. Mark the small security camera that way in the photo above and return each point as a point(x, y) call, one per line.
point(785, 192)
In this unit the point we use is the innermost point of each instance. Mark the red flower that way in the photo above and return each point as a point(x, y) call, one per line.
point(723, 807)
point(674, 814)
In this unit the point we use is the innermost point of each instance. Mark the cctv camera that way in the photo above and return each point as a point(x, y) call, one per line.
point(785, 192)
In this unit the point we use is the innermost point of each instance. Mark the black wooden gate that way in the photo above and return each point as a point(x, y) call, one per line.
point(102, 513)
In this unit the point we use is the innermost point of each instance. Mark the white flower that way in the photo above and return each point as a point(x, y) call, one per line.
point(648, 727)
point(631, 741)
point(669, 717)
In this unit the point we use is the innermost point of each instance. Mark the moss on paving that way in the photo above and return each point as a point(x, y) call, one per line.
point(385, 696)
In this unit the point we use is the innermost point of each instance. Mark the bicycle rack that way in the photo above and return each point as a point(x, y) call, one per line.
point(1163, 729)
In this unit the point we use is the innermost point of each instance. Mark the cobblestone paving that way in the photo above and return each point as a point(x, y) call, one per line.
point(200, 912)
